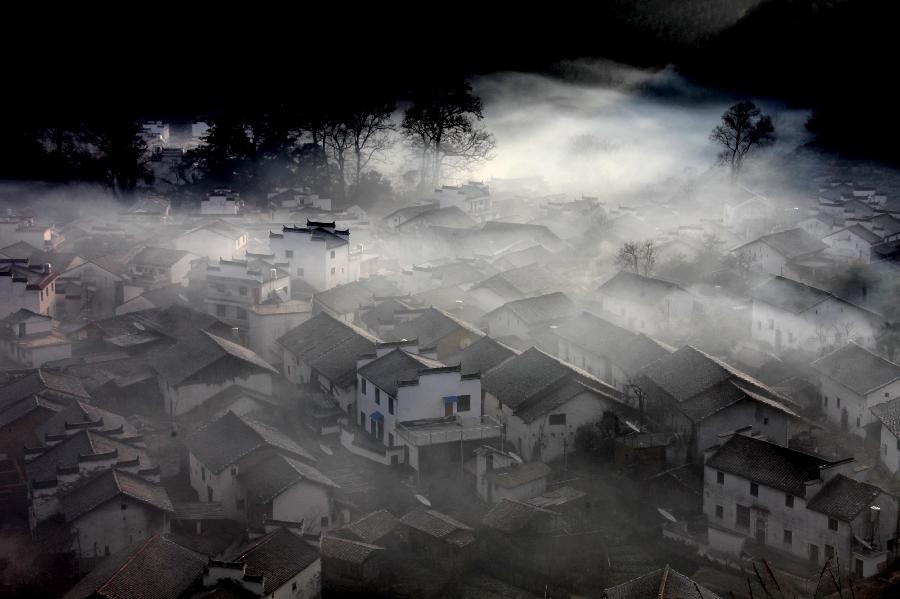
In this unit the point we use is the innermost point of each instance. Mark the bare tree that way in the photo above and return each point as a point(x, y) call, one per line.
point(743, 128)
point(370, 130)
point(629, 256)
point(647, 255)
point(339, 140)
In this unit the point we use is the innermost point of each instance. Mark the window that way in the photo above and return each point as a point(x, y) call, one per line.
point(294, 586)
point(825, 400)
point(233, 471)
point(390, 405)
point(390, 439)
point(788, 537)
point(557, 419)
point(378, 396)
point(241, 314)
point(124, 506)
point(242, 290)
point(857, 422)
point(789, 501)
point(324, 521)
point(464, 404)
point(832, 524)
point(202, 473)
point(720, 512)
point(362, 383)
point(299, 272)
point(829, 551)
point(288, 253)
point(898, 444)
point(720, 478)
point(220, 310)
point(754, 489)
point(332, 254)
point(742, 518)
point(837, 401)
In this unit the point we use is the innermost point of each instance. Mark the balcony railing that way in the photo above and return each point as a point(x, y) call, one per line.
point(448, 430)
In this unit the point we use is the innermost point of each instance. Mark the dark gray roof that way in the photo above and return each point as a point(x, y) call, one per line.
point(512, 516)
point(395, 366)
point(109, 485)
point(347, 298)
point(440, 526)
point(432, 326)
point(79, 414)
point(154, 568)
point(517, 474)
point(768, 464)
point(791, 244)
point(660, 584)
point(192, 354)
point(329, 346)
point(628, 350)
point(278, 556)
point(223, 442)
point(481, 356)
point(518, 283)
point(26, 406)
point(889, 414)
point(219, 227)
point(451, 216)
point(538, 310)
point(269, 478)
point(631, 286)
point(372, 527)
point(23, 314)
point(796, 297)
point(843, 498)
point(857, 369)
point(42, 382)
point(156, 256)
point(345, 550)
point(84, 443)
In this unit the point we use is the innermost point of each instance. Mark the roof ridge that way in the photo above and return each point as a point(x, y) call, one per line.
point(130, 559)
point(662, 582)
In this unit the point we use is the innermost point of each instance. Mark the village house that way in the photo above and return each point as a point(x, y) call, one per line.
point(378, 528)
point(417, 408)
point(269, 321)
point(516, 284)
point(32, 339)
point(852, 244)
point(232, 286)
point(29, 286)
point(665, 583)
point(155, 567)
point(542, 401)
point(285, 565)
point(646, 304)
point(94, 288)
point(436, 330)
point(481, 356)
point(523, 524)
point(447, 541)
point(852, 381)
point(781, 501)
point(787, 314)
point(318, 253)
point(786, 253)
point(386, 313)
point(349, 565)
point(216, 239)
point(611, 353)
point(520, 318)
point(348, 302)
point(223, 202)
point(23, 228)
point(888, 414)
point(323, 351)
point(501, 476)
point(294, 198)
point(472, 198)
point(223, 454)
point(748, 214)
point(401, 215)
point(820, 225)
point(700, 397)
point(160, 297)
point(156, 266)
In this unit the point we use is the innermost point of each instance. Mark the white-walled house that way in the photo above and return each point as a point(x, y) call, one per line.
point(220, 202)
point(156, 266)
point(646, 304)
point(748, 213)
point(787, 314)
point(520, 318)
point(542, 401)
point(852, 381)
point(267, 323)
point(775, 253)
point(820, 225)
point(29, 286)
point(32, 339)
point(786, 502)
point(101, 287)
point(290, 568)
point(318, 253)
point(472, 198)
point(232, 286)
point(216, 239)
point(852, 244)
point(888, 414)
point(415, 403)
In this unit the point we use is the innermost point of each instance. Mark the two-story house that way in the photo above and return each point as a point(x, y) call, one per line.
point(216, 239)
point(781, 253)
point(232, 286)
point(888, 415)
point(852, 244)
point(156, 266)
point(852, 381)
point(32, 339)
point(645, 304)
point(318, 253)
point(29, 286)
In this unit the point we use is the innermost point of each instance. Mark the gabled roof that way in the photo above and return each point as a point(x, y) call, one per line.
point(157, 256)
point(219, 227)
point(517, 474)
point(481, 356)
point(223, 442)
point(154, 568)
point(889, 415)
point(192, 354)
point(439, 526)
point(659, 584)
point(23, 315)
point(82, 445)
point(857, 369)
point(432, 326)
point(269, 478)
point(538, 310)
point(843, 498)
point(345, 550)
point(523, 282)
point(80, 414)
point(512, 516)
point(768, 464)
point(42, 382)
point(627, 350)
point(861, 232)
point(108, 485)
point(278, 557)
point(26, 406)
point(395, 367)
point(631, 286)
point(347, 298)
point(329, 346)
point(372, 527)
point(451, 216)
point(791, 244)
point(795, 297)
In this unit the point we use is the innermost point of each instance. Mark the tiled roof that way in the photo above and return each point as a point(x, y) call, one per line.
point(26, 406)
point(79, 413)
point(155, 568)
point(156, 256)
point(659, 584)
point(797, 298)
point(107, 486)
point(857, 369)
point(481, 356)
point(432, 326)
point(278, 556)
point(23, 314)
point(631, 286)
point(768, 464)
point(39, 381)
point(451, 216)
point(219, 227)
point(347, 298)
point(440, 526)
point(627, 350)
point(345, 550)
point(372, 527)
point(223, 442)
point(539, 309)
point(269, 478)
point(516, 475)
point(512, 516)
point(66, 453)
point(791, 244)
point(523, 282)
point(843, 498)
point(395, 366)
point(889, 414)
point(192, 354)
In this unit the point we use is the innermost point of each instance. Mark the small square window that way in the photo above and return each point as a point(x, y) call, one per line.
point(464, 404)
point(720, 512)
point(832, 524)
point(788, 537)
point(789, 500)
point(829, 551)
point(720, 478)
point(242, 290)
point(362, 382)
point(557, 419)
point(378, 396)
point(754, 489)
point(288, 253)
point(390, 405)
point(324, 521)
point(332, 254)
